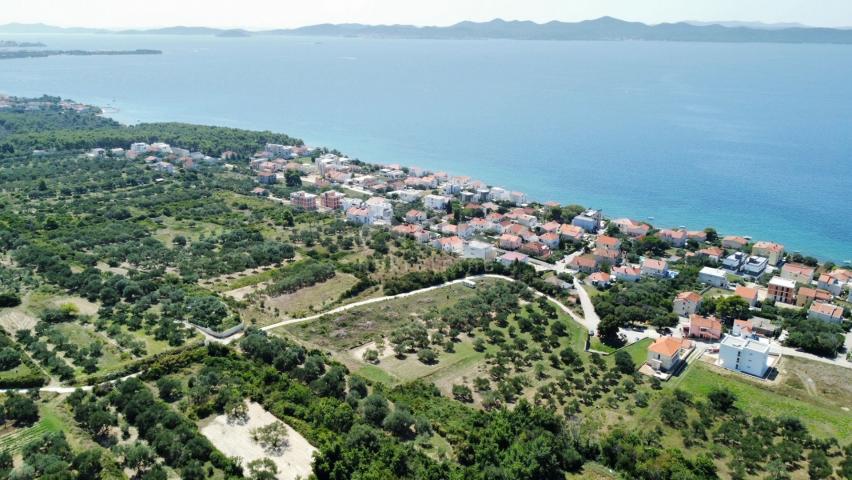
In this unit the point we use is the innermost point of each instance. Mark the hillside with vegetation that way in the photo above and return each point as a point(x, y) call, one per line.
point(109, 266)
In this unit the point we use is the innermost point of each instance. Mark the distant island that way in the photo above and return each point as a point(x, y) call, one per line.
point(601, 29)
point(14, 44)
point(6, 55)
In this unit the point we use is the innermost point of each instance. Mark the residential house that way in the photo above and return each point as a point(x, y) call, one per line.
point(713, 276)
point(508, 241)
point(666, 354)
point(748, 294)
point(705, 328)
point(774, 252)
point(655, 268)
point(699, 236)
point(551, 239)
point(509, 258)
point(260, 192)
point(834, 280)
point(415, 216)
point(599, 279)
point(584, 263)
point(737, 243)
point(266, 178)
point(464, 230)
point(808, 294)
point(589, 221)
point(381, 211)
point(825, 312)
point(755, 265)
point(744, 355)
point(713, 254)
point(481, 250)
point(303, 200)
point(348, 202)
point(686, 303)
point(631, 227)
point(742, 328)
point(781, 290)
point(332, 199)
point(675, 238)
point(450, 244)
point(798, 272)
point(571, 233)
point(608, 243)
point(627, 273)
point(436, 202)
point(360, 216)
point(408, 195)
point(735, 261)
point(551, 227)
point(603, 255)
point(764, 327)
point(536, 249)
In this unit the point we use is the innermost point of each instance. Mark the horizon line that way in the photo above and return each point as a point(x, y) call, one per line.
point(753, 24)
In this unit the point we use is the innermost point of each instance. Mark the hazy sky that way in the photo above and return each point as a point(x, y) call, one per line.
point(290, 13)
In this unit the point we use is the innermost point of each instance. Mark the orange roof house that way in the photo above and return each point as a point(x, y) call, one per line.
point(706, 328)
point(667, 353)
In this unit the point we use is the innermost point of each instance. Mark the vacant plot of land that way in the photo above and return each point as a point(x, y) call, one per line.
point(315, 298)
point(822, 415)
point(355, 327)
point(829, 383)
point(189, 229)
point(234, 439)
point(410, 368)
point(82, 336)
point(14, 319)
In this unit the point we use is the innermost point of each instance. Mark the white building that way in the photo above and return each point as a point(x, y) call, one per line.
point(744, 355)
point(380, 211)
point(755, 265)
point(435, 202)
point(477, 249)
point(590, 220)
point(408, 195)
point(713, 276)
point(350, 202)
point(139, 147)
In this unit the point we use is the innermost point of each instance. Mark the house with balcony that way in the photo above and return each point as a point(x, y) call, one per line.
point(686, 303)
point(744, 355)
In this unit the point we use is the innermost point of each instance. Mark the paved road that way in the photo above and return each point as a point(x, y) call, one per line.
point(591, 319)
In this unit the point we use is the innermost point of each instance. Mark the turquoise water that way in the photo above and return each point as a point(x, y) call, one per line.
point(752, 139)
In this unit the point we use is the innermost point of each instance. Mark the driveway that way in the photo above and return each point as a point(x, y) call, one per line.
point(591, 319)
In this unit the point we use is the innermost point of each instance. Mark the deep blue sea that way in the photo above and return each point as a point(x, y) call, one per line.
point(754, 139)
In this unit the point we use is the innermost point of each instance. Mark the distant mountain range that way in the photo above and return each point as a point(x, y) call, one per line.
point(605, 28)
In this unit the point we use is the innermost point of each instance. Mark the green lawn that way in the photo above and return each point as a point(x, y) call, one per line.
point(760, 398)
point(596, 344)
point(374, 373)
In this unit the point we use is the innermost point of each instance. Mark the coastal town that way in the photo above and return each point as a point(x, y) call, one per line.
point(278, 302)
point(578, 249)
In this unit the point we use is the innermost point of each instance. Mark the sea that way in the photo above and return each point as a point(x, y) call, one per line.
point(752, 139)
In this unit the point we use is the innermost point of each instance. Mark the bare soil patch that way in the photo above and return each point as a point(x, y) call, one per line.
point(234, 439)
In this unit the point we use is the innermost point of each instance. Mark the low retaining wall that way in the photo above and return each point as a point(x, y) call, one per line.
point(227, 333)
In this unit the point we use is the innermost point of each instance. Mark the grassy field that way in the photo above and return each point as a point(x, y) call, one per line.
point(395, 370)
point(596, 344)
point(821, 413)
point(315, 298)
point(360, 325)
